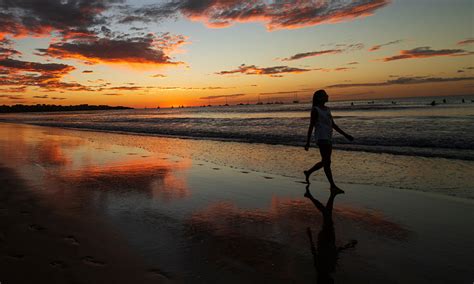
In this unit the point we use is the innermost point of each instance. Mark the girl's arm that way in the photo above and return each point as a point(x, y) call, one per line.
point(314, 117)
point(336, 127)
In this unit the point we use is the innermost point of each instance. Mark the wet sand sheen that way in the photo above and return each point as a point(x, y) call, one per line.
point(85, 211)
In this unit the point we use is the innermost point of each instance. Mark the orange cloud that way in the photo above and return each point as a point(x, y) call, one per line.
point(148, 50)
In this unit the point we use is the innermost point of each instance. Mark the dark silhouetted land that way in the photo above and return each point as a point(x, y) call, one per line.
point(51, 108)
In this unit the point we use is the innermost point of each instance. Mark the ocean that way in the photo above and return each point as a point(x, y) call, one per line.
point(409, 127)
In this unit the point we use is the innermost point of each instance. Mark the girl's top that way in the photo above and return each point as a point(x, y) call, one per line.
point(323, 127)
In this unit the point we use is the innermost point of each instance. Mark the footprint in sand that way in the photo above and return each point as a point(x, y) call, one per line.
point(58, 264)
point(303, 182)
point(89, 260)
point(216, 169)
point(265, 177)
point(72, 240)
point(200, 164)
point(244, 172)
point(37, 228)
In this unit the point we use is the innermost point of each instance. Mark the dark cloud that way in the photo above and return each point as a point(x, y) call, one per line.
point(274, 71)
point(34, 17)
point(150, 49)
point(343, 68)
point(19, 65)
point(312, 54)
point(339, 48)
point(19, 89)
point(353, 63)
point(12, 97)
point(222, 96)
point(350, 46)
point(466, 41)
point(377, 47)
point(338, 69)
point(22, 74)
point(6, 48)
point(41, 97)
point(464, 69)
point(147, 88)
point(112, 94)
point(275, 14)
point(125, 88)
point(158, 76)
point(87, 71)
point(425, 52)
point(404, 81)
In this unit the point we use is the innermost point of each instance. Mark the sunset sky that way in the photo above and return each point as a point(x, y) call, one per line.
point(187, 52)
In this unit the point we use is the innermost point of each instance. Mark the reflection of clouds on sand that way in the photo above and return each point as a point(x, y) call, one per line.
point(61, 162)
point(264, 239)
point(152, 177)
point(284, 217)
point(372, 221)
point(224, 218)
point(50, 153)
point(247, 240)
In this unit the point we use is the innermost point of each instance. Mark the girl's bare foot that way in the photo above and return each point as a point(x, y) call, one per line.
point(336, 189)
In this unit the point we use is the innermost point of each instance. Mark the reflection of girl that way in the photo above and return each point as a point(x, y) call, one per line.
point(326, 254)
point(322, 122)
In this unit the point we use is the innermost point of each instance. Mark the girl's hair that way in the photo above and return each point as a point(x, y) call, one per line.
point(318, 96)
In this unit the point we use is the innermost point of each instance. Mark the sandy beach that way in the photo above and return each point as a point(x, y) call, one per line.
point(91, 207)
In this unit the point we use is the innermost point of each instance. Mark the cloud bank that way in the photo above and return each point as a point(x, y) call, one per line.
point(275, 15)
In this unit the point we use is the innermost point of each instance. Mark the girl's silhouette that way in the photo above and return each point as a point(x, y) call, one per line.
point(323, 124)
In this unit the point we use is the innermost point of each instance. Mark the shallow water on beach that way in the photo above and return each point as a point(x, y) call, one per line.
point(410, 127)
point(435, 175)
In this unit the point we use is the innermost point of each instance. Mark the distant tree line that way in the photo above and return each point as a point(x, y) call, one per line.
point(49, 108)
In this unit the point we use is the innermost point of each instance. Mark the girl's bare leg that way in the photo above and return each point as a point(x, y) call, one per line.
point(316, 167)
point(326, 151)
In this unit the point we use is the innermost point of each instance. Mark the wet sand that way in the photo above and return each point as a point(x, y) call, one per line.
point(76, 209)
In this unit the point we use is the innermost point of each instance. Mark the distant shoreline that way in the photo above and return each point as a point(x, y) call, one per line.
point(55, 108)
